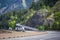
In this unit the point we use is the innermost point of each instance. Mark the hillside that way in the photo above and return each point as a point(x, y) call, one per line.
point(44, 13)
point(11, 5)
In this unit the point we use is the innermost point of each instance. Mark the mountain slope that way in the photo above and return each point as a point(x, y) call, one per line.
point(9, 5)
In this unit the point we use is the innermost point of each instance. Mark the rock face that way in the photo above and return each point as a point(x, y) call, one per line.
point(9, 5)
point(41, 18)
point(56, 7)
point(37, 19)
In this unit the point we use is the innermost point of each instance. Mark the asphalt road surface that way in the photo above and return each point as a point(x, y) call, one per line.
point(52, 35)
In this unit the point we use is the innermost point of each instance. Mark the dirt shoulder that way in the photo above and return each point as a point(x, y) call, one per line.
point(15, 34)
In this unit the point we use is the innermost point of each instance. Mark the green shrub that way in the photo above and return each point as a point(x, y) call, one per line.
point(40, 27)
point(12, 24)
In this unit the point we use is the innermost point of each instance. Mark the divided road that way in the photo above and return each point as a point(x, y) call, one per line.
point(52, 35)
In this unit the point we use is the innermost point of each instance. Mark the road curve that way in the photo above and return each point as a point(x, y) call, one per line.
point(52, 35)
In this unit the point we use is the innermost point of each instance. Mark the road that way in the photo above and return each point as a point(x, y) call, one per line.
point(52, 35)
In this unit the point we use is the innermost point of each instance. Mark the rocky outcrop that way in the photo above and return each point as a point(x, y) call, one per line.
point(37, 19)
